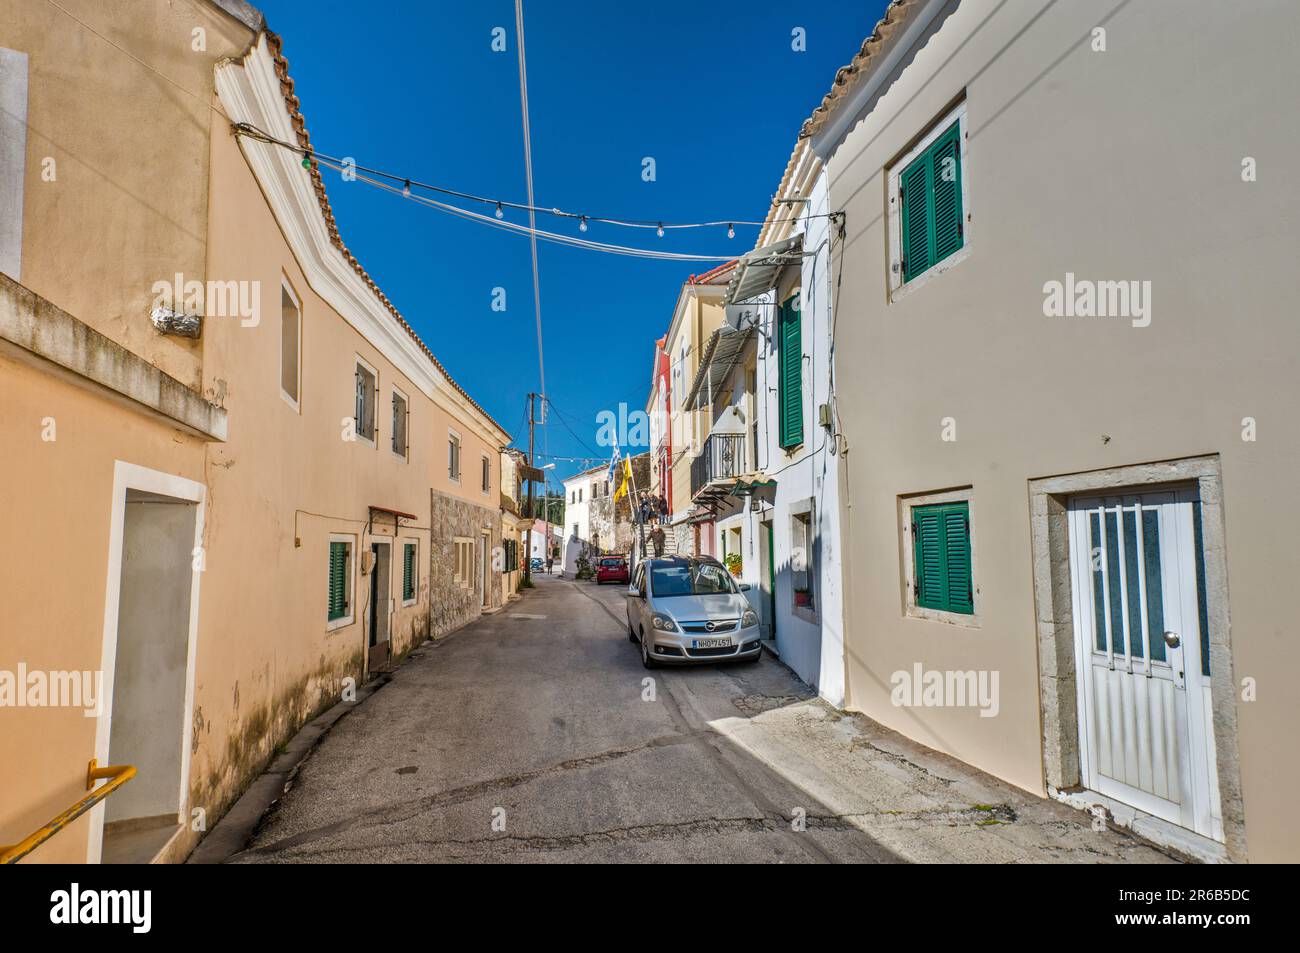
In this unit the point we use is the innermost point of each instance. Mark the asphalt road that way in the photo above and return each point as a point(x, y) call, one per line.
point(533, 735)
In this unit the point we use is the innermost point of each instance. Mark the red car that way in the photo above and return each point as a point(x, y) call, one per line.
point(612, 569)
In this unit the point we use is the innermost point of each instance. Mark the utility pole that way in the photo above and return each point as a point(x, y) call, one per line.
point(532, 517)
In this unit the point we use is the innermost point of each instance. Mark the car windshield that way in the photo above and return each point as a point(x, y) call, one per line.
point(613, 563)
point(689, 579)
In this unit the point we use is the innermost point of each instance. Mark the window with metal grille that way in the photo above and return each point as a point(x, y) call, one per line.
point(941, 553)
point(803, 567)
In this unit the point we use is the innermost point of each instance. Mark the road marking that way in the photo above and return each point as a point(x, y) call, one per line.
point(525, 615)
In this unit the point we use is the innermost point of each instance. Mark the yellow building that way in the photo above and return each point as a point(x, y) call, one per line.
point(245, 483)
point(698, 312)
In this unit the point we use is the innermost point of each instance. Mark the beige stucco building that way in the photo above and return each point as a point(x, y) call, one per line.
point(1065, 366)
point(234, 528)
point(680, 430)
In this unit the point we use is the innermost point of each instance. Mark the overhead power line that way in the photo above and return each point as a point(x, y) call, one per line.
point(407, 183)
point(532, 216)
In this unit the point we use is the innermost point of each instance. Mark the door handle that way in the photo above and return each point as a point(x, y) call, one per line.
point(1172, 640)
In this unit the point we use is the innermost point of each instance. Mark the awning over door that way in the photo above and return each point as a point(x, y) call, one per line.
point(757, 271)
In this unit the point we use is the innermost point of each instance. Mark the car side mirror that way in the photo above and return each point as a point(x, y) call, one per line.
point(745, 587)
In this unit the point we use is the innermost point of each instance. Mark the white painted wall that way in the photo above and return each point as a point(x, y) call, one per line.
point(539, 534)
point(576, 511)
point(812, 646)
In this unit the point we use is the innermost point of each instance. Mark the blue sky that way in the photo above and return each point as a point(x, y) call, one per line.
point(713, 92)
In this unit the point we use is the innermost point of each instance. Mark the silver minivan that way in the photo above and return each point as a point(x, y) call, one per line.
point(684, 609)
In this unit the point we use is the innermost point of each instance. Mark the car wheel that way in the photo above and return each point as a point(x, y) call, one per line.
point(646, 660)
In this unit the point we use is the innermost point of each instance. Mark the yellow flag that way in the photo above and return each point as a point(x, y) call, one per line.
point(623, 486)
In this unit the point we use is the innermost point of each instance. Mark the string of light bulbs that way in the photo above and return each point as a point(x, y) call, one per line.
point(248, 129)
point(499, 206)
point(518, 229)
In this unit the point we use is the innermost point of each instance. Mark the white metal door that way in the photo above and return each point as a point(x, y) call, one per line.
point(1145, 728)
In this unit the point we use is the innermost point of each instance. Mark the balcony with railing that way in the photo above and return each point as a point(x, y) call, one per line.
point(720, 462)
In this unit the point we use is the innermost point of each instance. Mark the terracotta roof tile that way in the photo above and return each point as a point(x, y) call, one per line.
point(713, 274)
point(846, 76)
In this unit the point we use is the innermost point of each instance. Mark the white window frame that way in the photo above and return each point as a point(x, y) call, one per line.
point(410, 541)
point(897, 288)
point(373, 439)
point(462, 573)
point(296, 404)
point(460, 456)
point(806, 512)
point(350, 587)
point(127, 477)
point(405, 456)
point(911, 610)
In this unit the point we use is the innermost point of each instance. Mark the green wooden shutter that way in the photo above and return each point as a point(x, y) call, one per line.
point(956, 542)
point(914, 193)
point(790, 373)
point(932, 216)
point(942, 556)
point(408, 572)
point(945, 161)
point(338, 580)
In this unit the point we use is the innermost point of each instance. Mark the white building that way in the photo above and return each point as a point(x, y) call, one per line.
point(579, 490)
point(767, 474)
point(542, 531)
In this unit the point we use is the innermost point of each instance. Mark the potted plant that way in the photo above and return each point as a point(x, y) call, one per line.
point(733, 563)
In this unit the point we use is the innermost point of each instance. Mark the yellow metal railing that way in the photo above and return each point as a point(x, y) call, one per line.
point(117, 775)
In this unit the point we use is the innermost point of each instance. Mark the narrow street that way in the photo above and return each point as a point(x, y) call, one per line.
point(525, 737)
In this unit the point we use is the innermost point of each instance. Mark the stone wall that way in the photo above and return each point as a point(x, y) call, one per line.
point(452, 604)
point(611, 524)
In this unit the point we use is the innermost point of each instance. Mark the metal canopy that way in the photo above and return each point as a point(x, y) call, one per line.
point(726, 350)
point(713, 495)
point(757, 271)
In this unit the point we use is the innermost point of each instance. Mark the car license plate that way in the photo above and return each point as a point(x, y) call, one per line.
point(710, 643)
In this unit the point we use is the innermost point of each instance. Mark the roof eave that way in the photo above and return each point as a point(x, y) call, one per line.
point(894, 34)
point(262, 77)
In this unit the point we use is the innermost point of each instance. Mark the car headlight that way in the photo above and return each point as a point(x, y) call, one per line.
point(750, 618)
point(663, 622)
